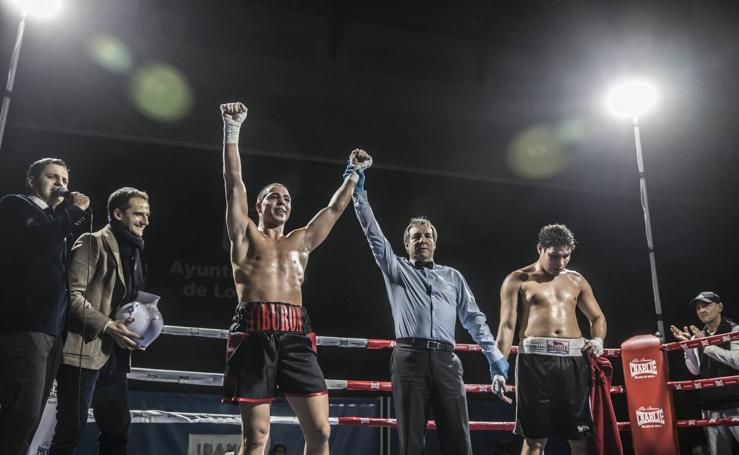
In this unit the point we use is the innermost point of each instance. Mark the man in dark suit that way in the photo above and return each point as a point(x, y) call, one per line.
point(33, 295)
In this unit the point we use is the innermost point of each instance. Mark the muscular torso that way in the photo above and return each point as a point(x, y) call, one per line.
point(548, 305)
point(269, 270)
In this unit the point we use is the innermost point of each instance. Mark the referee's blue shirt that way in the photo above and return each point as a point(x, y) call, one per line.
point(425, 302)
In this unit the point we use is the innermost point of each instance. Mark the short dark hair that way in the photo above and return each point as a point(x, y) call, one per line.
point(119, 199)
point(556, 235)
point(418, 221)
point(264, 191)
point(37, 167)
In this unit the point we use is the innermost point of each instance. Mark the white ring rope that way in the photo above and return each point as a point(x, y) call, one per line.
point(340, 342)
point(154, 416)
point(201, 332)
point(216, 380)
point(157, 416)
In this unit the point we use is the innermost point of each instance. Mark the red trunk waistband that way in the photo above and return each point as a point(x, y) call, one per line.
point(269, 317)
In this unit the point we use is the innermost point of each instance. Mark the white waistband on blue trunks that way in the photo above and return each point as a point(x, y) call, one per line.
point(562, 347)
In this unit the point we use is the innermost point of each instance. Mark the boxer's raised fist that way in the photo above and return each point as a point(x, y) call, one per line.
point(234, 112)
point(360, 159)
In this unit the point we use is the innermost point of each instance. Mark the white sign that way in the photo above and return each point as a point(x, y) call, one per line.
point(213, 444)
point(650, 417)
point(643, 368)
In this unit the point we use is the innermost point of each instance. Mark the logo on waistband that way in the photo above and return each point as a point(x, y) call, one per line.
point(558, 347)
point(650, 417)
point(643, 368)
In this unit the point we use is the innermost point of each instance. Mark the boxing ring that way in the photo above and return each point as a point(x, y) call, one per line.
point(648, 391)
point(651, 414)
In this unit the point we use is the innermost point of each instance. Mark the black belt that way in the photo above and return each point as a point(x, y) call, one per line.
point(422, 343)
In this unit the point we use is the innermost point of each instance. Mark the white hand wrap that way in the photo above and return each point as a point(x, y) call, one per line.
point(354, 177)
point(597, 346)
point(231, 127)
point(366, 164)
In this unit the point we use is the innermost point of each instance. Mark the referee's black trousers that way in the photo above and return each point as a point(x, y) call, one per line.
point(425, 380)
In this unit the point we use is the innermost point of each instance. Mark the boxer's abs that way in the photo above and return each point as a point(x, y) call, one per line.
point(269, 281)
point(556, 320)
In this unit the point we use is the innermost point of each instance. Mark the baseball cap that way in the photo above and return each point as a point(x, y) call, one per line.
point(705, 296)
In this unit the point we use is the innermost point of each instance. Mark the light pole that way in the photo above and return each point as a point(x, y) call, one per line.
point(36, 8)
point(632, 99)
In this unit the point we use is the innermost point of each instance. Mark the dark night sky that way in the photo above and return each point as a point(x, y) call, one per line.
point(440, 93)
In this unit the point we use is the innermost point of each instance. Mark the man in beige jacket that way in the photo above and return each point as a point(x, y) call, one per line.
point(106, 269)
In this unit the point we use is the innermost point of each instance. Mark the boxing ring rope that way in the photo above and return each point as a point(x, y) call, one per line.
point(701, 342)
point(156, 416)
point(216, 379)
point(339, 342)
point(376, 343)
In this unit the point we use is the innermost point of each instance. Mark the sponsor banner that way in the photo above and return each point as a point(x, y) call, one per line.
point(558, 347)
point(650, 417)
point(42, 439)
point(643, 368)
point(212, 444)
point(216, 436)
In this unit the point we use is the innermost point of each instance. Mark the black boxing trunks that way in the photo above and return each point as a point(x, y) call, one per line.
point(271, 345)
point(553, 389)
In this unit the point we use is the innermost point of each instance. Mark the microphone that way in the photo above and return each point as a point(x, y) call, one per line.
point(63, 192)
point(60, 191)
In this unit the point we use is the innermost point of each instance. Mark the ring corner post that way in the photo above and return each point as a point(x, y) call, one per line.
point(650, 405)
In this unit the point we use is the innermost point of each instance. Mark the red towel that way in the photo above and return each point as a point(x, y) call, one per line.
point(606, 440)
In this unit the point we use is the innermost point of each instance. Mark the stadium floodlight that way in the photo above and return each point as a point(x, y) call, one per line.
point(36, 9)
point(632, 99)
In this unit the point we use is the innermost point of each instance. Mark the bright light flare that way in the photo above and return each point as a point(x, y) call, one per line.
point(161, 92)
point(41, 9)
point(537, 153)
point(631, 98)
point(110, 53)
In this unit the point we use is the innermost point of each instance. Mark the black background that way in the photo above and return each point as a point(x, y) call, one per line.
point(437, 92)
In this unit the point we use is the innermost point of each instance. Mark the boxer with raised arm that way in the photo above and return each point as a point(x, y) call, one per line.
point(552, 373)
point(271, 343)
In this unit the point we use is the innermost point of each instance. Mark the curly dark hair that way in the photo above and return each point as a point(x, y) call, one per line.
point(556, 235)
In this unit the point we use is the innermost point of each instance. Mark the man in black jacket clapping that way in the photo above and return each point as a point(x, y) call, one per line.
point(713, 362)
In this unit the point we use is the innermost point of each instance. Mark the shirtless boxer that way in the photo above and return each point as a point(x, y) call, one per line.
point(552, 374)
point(271, 343)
